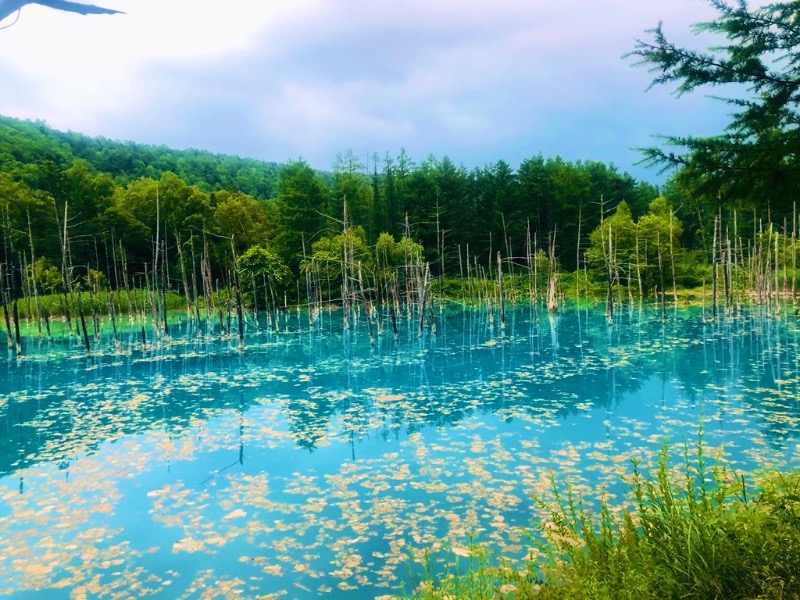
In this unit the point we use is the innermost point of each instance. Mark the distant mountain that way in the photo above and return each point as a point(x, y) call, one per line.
point(26, 145)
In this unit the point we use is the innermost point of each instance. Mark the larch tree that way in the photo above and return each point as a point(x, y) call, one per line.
point(758, 64)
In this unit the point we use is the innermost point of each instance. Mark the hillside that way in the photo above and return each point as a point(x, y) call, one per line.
point(125, 207)
point(27, 146)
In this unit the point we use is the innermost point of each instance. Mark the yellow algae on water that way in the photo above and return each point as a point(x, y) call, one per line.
point(189, 545)
point(236, 514)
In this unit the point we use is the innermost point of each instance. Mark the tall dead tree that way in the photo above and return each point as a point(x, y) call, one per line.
point(238, 291)
point(552, 279)
point(67, 272)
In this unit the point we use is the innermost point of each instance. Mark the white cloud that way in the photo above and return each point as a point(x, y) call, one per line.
point(287, 77)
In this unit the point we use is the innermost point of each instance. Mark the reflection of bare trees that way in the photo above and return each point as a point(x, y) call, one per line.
point(334, 385)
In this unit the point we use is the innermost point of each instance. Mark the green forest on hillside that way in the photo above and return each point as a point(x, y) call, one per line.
point(111, 187)
point(117, 198)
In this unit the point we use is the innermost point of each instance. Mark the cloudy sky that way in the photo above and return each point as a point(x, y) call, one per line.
point(473, 80)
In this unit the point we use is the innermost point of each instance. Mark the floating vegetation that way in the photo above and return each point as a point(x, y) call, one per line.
point(320, 461)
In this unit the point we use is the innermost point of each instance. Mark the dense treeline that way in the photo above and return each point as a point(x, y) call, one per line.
point(112, 189)
point(32, 152)
point(84, 214)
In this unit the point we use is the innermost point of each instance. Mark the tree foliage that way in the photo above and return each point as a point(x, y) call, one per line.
point(302, 200)
point(640, 250)
point(118, 195)
point(263, 275)
point(25, 147)
point(757, 157)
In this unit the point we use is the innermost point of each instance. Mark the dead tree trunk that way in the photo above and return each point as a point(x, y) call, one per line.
point(609, 279)
point(552, 283)
point(501, 291)
point(34, 283)
point(67, 270)
point(4, 294)
point(714, 271)
point(239, 311)
point(15, 306)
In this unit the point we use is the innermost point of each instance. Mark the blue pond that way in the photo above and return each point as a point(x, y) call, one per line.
point(316, 463)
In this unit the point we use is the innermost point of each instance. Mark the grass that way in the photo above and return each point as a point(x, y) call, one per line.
point(689, 532)
point(471, 574)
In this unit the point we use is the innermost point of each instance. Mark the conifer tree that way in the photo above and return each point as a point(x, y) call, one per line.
point(758, 64)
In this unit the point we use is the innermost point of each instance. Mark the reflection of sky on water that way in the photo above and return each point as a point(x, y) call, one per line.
point(313, 460)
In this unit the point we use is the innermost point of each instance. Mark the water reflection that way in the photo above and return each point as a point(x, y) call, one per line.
point(57, 405)
point(317, 457)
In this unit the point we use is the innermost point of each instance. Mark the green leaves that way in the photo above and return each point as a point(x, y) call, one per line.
point(640, 251)
point(757, 156)
point(243, 217)
point(302, 200)
point(262, 272)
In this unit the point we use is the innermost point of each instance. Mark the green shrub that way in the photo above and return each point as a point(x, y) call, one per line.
point(698, 532)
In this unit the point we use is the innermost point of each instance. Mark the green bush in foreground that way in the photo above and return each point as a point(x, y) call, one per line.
point(694, 533)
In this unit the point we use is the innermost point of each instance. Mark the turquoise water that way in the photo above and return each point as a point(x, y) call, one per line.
point(314, 463)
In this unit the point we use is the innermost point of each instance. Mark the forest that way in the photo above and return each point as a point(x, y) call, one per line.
point(114, 201)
